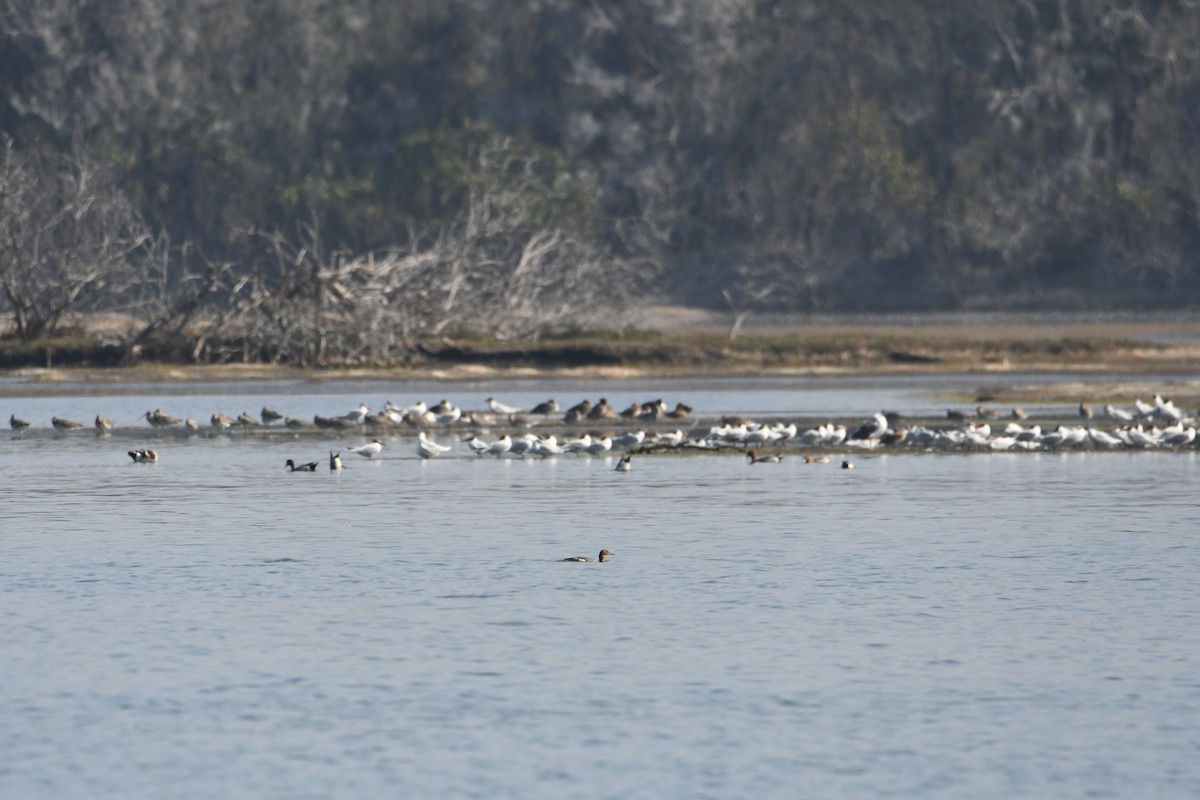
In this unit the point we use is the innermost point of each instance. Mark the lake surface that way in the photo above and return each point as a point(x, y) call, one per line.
point(210, 626)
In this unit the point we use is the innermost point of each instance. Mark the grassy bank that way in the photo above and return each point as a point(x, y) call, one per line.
point(698, 349)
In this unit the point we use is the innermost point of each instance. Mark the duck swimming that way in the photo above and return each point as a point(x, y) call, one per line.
point(604, 554)
point(335, 461)
point(625, 464)
point(755, 458)
point(143, 456)
point(292, 466)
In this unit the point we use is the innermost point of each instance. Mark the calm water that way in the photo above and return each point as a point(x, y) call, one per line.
point(1012, 625)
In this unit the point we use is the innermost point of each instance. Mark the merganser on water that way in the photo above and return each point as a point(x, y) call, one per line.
point(65, 424)
point(502, 408)
point(625, 464)
point(847, 465)
point(143, 456)
point(18, 425)
point(604, 554)
point(292, 466)
point(755, 458)
point(368, 450)
point(335, 461)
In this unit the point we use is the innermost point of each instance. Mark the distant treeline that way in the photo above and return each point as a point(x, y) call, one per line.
point(310, 177)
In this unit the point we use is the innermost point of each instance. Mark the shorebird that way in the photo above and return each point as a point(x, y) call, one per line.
point(61, 424)
point(604, 554)
point(191, 424)
point(545, 409)
point(246, 421)
point(222, 422)
point(755, 458)
point(625, 464)
point(602, 410)
point(18, 425)
point(335, 461)
point(103, 424)
point(501, 408)
point(291, 423)
point(270, 415)
point(1085, 410)
point(428, 448)
point(680, 411)
point(292, 466)
point(368, 450)
point(159, 419)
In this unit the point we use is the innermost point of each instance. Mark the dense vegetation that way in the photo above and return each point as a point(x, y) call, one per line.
point(297, 180)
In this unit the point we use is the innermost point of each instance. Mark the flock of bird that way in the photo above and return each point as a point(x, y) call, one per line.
point(644, 428)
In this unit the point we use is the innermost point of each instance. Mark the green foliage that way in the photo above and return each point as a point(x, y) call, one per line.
point(442, 168)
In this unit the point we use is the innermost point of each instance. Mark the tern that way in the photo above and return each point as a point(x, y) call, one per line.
point(368, 450)
point(428, 448)
point(502, 408)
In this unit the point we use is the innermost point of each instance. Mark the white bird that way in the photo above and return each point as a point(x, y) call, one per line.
point(428, 448)
point(368, 450)
point(670, 439)
point(1118, 414)
point(1143, 409)
point(629, 440)
point(448, 417)
point(1103, 439)
point(501, 408)
point(478, 446)
point(359, 415)
point(547, 447)
point(501, 446)
point(599, 446)
point(575, 445)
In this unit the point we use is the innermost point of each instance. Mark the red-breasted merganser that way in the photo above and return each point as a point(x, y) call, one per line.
point(604, 554)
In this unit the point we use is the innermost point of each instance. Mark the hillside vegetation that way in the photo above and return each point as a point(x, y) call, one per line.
point(298, 181)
